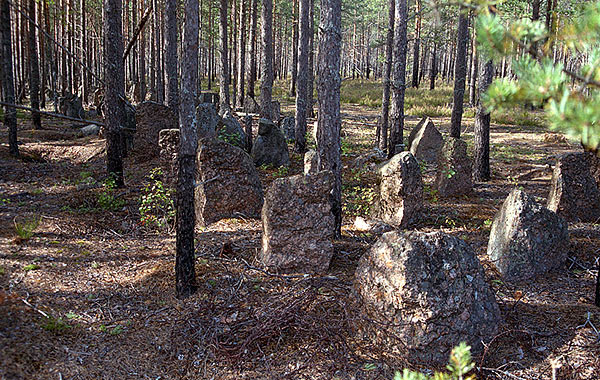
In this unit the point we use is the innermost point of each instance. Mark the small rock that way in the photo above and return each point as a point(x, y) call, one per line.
point(288, 127)
point(373, 226)
point(270, 146)
point(427, 142)
point(311, 162)
point(90, 130)
point(369, 160)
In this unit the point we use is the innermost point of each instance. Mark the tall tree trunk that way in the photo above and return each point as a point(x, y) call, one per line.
point(417, 45)
point(171, 54)
point(460, 72)
point(84, 52)
point(311, 60)
point(474, 72)
point(114, 90)
point(481, 164)
point(242, 54)
point(266, 83)
point(302, 78)
point(295, 48)
point(252, 71)
point(433, 66)
point(233, 62)
point(385, 103)
point(142, 61)
point(34, 69)
point(329, 81)
point(185, 273)
point(398, 76)
point(224, 73)
point(6, 77)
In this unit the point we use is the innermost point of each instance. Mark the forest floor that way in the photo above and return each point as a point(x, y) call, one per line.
point(91, 294)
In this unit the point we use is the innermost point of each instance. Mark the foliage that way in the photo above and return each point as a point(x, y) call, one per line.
point(107, 200)
point(31, 267)
point(358, 199)
point(26, 227)
point(156, 202)
point(55, 325)
point(569, 96)
point(459, 366)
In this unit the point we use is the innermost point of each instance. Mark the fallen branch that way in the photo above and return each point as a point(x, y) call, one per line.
point(137, 31)
point(52, 114)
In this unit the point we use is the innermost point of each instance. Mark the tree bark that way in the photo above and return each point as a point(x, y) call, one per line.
point(311, 60)
point(185, 273)
point(295, 47)
point(266, 83)
point(224, 73)
point(114, 88)
point(252, 71)
point(460, 72)
point(433, 66)
point(329, 81)
point(474, 72)
point(481, 164)
point(34, 69)
point(398, 76)
point(171, 54)
point(6, 77)
point(302, 76)
point(417, 45)
point(385, 103)
point(242, 55)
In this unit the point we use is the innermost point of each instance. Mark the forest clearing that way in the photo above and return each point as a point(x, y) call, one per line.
point(263, 189)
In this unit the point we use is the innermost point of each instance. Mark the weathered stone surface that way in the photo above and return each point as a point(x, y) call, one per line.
point(270, 146)
point(208, 119)
point(227, 182)
point(251, 106)
point(400, 190)
point(311, 162)
point(150, 119)
point(298, 224)
point(70, 105)
point(427, 142)
point(413, 132)
point(90, 130)
point(526, 238)
point(168, 142)
point(422, 294)
point(373, 226)
point(230, 130)
point(369, 160)
point(453, 176)
point(574, 194)
point(288, 128)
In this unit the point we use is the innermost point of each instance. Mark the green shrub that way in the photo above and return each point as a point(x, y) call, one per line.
point(459, 366)
point(157, 208)
point(26, 227)
point(107, 200)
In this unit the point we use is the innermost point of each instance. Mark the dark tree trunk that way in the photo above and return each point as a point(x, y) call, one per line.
point(6, 77)
point(266, 83)
point(114, 90)
point(474, 73)
point(329, 81)
point(224, 77)
point(385, 103)
point(417, 45)
point(242, 55)
point(481, 163)
point(311, 60)
point(433, 67)
point(302, 78)
point(295, 48)
point(34, 69)
point(171, 53)
point(84, 53)
point(398, 77)
point(185, 272)
point(252, 71)
point(460, 73)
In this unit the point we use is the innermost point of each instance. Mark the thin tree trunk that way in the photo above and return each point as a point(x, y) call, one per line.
point(302, 78)
point(233, 61)
point(481, 130)
point(417, 45)
point(224, 73)
point(84, 52)
point(6, 77)
point(311, 59)
point(34, 69)
point(242, 54)
point(185, 273)
point(474, 72)
point(266, 83)
point(385, 103)
point(329, 124)
point(460, 72)
point(295, 48)
point(433, 67)
point(114, 88)
point(171, 54)
point(252, 71)
point(142, 60)
point(398, 76)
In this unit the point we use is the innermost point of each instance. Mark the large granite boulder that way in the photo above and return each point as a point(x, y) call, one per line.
point(453, 176)
point(208, 119)
point(227, 183)
point(168, 143)
point(574, 193)
point(527, 239)
point(400, 190)
point(421, 294)
point(298, 224)
point(270, 146)
point(230, 130)
point(426, 142)
point(151, 118)
point(288, 128)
